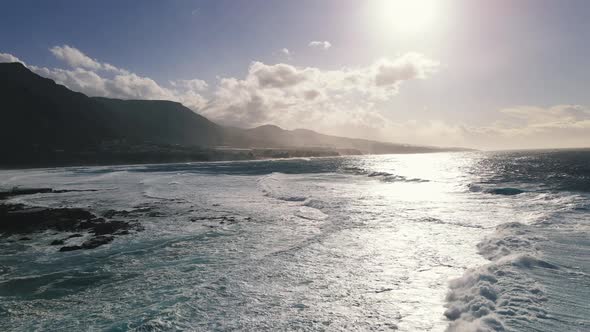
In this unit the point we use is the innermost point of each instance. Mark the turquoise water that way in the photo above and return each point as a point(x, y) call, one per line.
point(434, 242)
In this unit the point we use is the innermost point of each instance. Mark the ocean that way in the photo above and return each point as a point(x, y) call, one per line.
point(470, 241)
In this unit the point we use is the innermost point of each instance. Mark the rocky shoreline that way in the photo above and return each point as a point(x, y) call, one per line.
point(19, 219)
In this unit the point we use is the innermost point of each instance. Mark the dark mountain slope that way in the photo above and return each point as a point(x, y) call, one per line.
point(36, 111)
point(45, 124)
point(161, 122)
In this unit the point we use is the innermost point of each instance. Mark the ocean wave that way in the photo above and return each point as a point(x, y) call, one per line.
point(275, 187)
point(315, 203)
point(279, 186)
point(381, 175)
point(509, 238)
point(485, 297)
point(388, 177)
point(310, 213)
point(442, 222)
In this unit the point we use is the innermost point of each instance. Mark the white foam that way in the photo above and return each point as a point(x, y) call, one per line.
point(483, 297)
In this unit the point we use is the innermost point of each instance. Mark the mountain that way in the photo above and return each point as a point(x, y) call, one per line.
point(44, 123)
point(37, 111)
point(160, 121)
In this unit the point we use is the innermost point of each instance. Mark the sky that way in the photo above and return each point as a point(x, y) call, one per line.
point(500, 74)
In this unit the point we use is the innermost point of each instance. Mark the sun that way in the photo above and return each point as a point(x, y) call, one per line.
point(404, 16)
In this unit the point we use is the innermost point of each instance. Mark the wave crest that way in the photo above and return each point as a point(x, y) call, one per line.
point(382, 176)
point(484, 297)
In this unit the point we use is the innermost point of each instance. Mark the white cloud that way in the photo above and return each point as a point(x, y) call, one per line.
point(285, 51)
point(409, 66)
point(320, 44)
point(195, 84)
point(5, 57)
point(277, 76)
point(531, 126)
point(76, 59)
point(558, 116)
point(313, 98)
point(520, 127)
point(95, 78)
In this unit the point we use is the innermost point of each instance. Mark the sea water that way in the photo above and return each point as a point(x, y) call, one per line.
point(429, 242)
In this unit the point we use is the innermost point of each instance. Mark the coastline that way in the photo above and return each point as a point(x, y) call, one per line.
point(312, 155)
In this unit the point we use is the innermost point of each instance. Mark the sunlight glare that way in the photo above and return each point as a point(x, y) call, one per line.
point(404, 16)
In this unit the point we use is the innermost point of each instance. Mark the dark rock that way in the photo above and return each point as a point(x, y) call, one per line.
point(97, 241)
point(109, 227)
point(115, 213)
point(20, 219)
point(70, 248)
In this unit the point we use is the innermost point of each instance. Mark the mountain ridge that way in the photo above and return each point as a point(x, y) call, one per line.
point(40, 119)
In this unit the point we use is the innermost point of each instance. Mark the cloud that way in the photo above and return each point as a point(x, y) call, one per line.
point(407, 67)
point(309, 97)
point(285, 51)
point(5, 57)
point(320, 44)
point(519, 127)
point(76, 59)
point(558, 116)
point(195, 84)
point(277, 76)
point(95, 78)
point(532, 126)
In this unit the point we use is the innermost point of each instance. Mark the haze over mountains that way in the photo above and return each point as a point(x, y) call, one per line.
point(43, 123)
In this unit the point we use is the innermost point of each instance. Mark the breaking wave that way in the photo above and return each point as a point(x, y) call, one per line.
point(383, 176)
point(484, 298)
point(276, 186)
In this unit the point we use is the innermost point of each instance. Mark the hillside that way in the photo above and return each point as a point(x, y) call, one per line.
point(44, 123)
point(37, 111)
